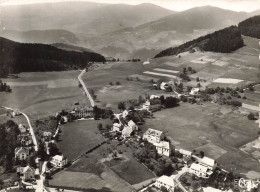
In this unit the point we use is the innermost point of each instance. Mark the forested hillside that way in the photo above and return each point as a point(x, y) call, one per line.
point(22, 57)
point(224, 41)
point(250, 27)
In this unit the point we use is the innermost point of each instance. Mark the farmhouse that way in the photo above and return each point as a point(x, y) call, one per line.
point(26, 173)
point(154, 97)
point(127, 131)
point(22, 128)
point(163, 86)
point(25, 139)
point(16, 112)
point(185, 153)
point(125, 113)
point(83, 112)
point(165, 181)
point(21, 153)
point(153, 136)
point(132, 125)
point(199, 170)
point(194, 91)
point(58, 161)
point(163, 148)
point(47, 135)
point(117, 127)
point(208, 162)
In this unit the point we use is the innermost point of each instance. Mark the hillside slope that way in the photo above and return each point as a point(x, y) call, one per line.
point(250, 27)
point(79, 17)
point(20, 57)
point(224, 41)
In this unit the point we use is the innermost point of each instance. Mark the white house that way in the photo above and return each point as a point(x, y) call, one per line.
point(185, 153)
point(124, 113)
point(47, 135)
point(22, 128)
point(208, 162)
point(194, 91)
point(16, 112)
point(153, 136)
point(163, 148)
point(26, 173)
point(83, 112)
point(58, 161)
point(127, 131)
point(133, 125)
point(21, 153)
point(199, 170)
point(117, 127)
point(154, 97)
point(164, 85)
point(166, 182)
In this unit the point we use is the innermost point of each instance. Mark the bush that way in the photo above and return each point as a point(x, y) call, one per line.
point(251, 116)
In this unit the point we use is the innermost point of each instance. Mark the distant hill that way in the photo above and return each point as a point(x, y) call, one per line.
point(169, 31)
point(250, 27)
point(20, 57)
point(71, 47)
point(41, 36)
point(79, 17)
point(224, 41)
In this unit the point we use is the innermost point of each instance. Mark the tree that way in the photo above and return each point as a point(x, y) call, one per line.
point(184, 70)
point(121, 106)
point(163, 189)
point(100, 126)
point(251, 116)
point(53, 149)
point(198, 85)
point(111, 83)
point(201, 154)
point(118, 83)
point(41, 151)
point(197, 79)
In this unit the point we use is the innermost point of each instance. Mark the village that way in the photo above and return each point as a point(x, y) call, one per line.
point(188, 166)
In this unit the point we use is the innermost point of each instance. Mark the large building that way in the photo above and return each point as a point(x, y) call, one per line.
point(153, 136)
point(165, 181)
point(208, 162)
point(83, 112)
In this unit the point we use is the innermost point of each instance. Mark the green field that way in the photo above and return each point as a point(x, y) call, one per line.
point(80, 136)
point(217, 130)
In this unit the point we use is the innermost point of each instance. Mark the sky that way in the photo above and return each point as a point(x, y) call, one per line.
point(177, 5)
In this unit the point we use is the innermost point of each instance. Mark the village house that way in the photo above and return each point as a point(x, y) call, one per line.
point(16, 112)
point(21, 153)
point(25, 139)
point(154, 97)
point(153, 136)
point(199, 170)
point(117, 127)
point(163, 148)
point(185, 153)
point(164, 86)
point(132, 125)
point(58, 161)
point(127, 132)
point(47, 136)
point(26, 173)
point(83, 112)
point(124, 114)
point(165, 181)
point(194, 91)
point(208, 162)
point(22, 128)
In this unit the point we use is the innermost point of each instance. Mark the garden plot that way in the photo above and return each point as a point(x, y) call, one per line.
point(143, 77)
point(161, 74)
point(166, 70)
point(227, 80)
point(220, 63)
point(63, 83)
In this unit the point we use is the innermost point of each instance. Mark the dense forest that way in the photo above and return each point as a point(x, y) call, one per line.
point(23, 57)
point(250, 27)
point(224, 41)
point(8, 143)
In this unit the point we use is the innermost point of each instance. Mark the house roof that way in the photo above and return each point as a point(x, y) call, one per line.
point(166, 180)
point(59, 157)
point(21, 150)
point(116, 125)
point(127, 131)
point(47, 133)
point(199, 167)
point(195, 89)
point(208, 161)
point(131, 123)
point(185, 152)
point(28, 169)
point(153, 132)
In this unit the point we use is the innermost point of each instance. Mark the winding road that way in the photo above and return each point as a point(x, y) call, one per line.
point(85, 88)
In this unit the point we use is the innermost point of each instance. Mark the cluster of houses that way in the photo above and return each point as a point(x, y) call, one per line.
point(23, 153)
